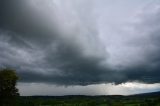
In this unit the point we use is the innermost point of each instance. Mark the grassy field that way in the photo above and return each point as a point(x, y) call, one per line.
point(116, 100)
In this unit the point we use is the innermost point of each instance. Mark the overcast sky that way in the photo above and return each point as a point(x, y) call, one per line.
point(89, 47)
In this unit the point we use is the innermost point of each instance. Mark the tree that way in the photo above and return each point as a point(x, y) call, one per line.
point(8, 90)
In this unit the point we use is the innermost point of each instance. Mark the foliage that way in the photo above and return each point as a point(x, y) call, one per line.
point(8, 91)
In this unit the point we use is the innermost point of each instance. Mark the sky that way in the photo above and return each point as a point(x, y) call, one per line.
point(81, 47)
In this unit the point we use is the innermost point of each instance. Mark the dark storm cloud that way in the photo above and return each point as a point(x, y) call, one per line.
point(42, 54)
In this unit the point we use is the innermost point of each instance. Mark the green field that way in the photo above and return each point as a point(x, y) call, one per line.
point(89, 101)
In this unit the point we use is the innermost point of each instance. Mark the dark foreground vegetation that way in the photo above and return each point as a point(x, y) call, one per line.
point(150, 99)
point(8, 91)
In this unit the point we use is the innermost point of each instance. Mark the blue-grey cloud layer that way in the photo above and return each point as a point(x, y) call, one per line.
point(41, 53)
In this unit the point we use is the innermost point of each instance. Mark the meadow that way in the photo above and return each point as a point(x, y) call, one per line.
point(80, 100)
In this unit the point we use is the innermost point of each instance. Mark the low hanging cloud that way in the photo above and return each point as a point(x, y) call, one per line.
point(59, 42)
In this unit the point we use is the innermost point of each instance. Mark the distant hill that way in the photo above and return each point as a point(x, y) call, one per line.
point(148, 94)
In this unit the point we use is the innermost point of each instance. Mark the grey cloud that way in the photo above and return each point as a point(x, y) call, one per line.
point(42, 54)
